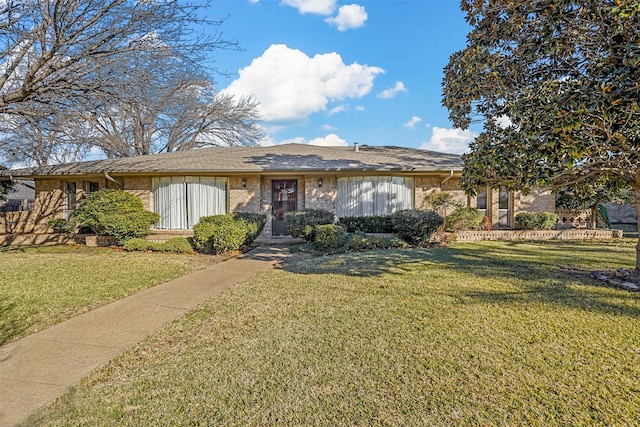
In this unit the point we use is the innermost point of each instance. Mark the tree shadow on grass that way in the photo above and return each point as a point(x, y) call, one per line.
point(531, 273)
point(9, 328)
point(360, 264)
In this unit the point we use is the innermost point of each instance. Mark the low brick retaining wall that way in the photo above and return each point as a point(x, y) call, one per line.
point(39, 239)
point(161, 236)
point(572, 234)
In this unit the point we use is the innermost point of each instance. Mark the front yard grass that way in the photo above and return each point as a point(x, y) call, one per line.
point(490, 333)
point(46, 285)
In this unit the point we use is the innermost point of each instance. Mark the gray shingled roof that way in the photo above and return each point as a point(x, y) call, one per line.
point(279, 158)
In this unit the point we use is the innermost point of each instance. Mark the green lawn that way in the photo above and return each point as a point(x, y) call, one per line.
point(43, 286)
point(493, 333)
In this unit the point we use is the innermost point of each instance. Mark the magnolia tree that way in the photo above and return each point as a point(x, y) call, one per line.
point(555, 83)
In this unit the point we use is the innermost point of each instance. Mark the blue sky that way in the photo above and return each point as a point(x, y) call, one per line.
point(335, 72)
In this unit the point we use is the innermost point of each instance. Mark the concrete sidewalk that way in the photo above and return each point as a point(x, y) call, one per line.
point(37, 369)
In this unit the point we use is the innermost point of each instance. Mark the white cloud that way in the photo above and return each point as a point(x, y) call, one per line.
point(317, 7)
point(348, 17)
point(504, 121)
point(289, 85)
point(330, 140)
point(328, 128)
point(327, 141)
point(392, 91)
point(411, 124)
point(254, 1)
point(449, 140)
point(270, 142)
point(360, 108)
point(338, 109)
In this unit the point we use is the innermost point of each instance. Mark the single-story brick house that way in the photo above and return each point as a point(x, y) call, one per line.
point(183, 186)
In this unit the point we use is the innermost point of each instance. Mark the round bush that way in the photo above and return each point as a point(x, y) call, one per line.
point(416, 227)
point(254, 222)
point(137, 244)
point(330, 238)
point(303, 223)
point(463, 218)
point(367, 224)
point(115, 213)
point(536, 220)
point(218, 234)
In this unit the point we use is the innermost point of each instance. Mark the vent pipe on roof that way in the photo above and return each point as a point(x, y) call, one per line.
point(356, 147)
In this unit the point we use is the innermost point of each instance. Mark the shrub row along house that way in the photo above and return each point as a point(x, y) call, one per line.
point(184, 186)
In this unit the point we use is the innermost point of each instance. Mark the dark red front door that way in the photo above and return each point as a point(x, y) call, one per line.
point(285, 199)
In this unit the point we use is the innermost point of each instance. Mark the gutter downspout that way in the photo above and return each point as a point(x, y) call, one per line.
point(447, 178)
point(110, 178)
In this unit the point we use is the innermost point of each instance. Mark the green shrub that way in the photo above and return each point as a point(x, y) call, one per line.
point(463, 218)
point(115, 213)
point(536, 220)
point(137, 244)
point(330, 238)
point(359, 242)
point(254, 222)
point(416, 226)
point(218, 234)
point(304, 223)
point(178, 245)
point(61, 225)
point(367, 224)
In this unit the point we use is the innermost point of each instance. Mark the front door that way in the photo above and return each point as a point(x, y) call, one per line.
point(285, 199)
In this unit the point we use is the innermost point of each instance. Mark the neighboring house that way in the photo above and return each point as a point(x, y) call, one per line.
point(349, 181)
point(19, 198)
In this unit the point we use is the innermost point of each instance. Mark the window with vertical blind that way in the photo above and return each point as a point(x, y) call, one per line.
point(373, 195)
point(481, 201)
point(182, 200)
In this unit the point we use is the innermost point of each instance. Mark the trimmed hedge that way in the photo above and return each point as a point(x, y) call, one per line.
point(416, 226)
point(367, 224)
point(536, 220)
point(254, 222)
point(177, 245)
point(218, 234)
point(331, 238)
point(304, 223)
point(359, 242)
point(463, 218)
point(115, 213)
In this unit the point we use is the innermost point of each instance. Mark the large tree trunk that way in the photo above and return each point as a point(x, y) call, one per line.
point(636, 188)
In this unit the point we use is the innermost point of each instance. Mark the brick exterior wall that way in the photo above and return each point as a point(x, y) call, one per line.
point(141, 187)
point(427, 185)
point(538, 200)
point(256, 197)
point(317, 197)
point(245, 199)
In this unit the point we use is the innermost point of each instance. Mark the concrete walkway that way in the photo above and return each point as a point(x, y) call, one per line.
point(37, 369)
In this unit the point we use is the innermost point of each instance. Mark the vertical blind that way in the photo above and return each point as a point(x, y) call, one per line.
point(182, 200)
point(373, 195)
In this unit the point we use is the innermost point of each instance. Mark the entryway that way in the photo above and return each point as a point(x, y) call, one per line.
point(285, 199)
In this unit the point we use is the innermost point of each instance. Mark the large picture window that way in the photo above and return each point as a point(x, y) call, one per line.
point(373, 195)
point(182, 200)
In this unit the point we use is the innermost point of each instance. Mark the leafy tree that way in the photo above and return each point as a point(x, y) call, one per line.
point(115, 213)
point(555, 84)
point(6, 185)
